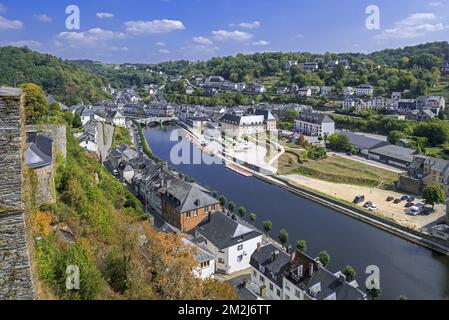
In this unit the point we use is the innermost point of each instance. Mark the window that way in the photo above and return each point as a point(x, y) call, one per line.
point(278, 292)
point(221, 260)
point(195, 213)
point(271, 287)
point(255, 274)
point(240, 247)
point(188, 215)
point(298, 294)
point(239, 258)
point(262, 279)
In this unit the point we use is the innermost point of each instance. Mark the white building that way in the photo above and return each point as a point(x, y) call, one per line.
point(86, 115)
point(277, 275)
point(348, 91)
point(231, 242)
point(305, 92)
point(205, 259)
point(88, 139)
point(118, 119)
point(364, 90)
point(315, 124)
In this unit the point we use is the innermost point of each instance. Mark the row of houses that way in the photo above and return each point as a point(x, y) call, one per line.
point(315, 65)
point(278, 275)
point(218, 83)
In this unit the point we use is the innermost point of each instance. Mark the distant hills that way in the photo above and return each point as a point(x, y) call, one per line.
point(415, 68)
point(66, 81)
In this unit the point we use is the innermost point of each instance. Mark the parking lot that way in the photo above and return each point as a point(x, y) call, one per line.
point(390, 210)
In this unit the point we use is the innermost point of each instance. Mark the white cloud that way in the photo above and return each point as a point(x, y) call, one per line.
point(415, 25)
point(10, 24)
point(223, 35)
point(164, 51)
point(261, 43)
point(202, 41)
point(200, 49)
point(104, 15)
point(23, 43)
point(95, 37)
point(123, 49)
point(160, 44)
point(249, 25)
point(43, 18)
point(154, 26)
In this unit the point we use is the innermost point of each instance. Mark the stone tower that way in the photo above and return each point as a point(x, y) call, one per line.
point(15, 271)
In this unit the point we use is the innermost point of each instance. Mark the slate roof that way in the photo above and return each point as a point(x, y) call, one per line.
point(313, 117)
point(39, 153)
point(187, 197)
point(201, 253)
point(362, 141)
point(395, 152)
point(223, 232)
point(272, 269)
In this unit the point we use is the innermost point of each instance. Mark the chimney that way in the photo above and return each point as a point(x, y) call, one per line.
point(258, 245)
point(274, 255)
point(293, 256)
point(311, 269)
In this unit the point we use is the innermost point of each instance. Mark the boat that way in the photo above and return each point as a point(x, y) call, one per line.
point(239, 169)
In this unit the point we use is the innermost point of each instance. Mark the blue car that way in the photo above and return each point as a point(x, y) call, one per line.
point(404, 198)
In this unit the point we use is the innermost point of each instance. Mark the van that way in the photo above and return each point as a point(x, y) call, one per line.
point(359, 199)
point(415, 210)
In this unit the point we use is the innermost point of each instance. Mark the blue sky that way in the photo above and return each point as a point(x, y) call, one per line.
point(157, 30)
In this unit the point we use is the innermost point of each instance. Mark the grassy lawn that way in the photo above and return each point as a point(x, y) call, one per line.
point(121, 136)
point(341, 170)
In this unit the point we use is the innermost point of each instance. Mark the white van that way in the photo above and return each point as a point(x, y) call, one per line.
point(415, 210)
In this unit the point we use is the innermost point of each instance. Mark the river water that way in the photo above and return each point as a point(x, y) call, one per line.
point(405, 268)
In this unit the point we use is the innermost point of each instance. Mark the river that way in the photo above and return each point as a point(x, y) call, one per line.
point(405, 267)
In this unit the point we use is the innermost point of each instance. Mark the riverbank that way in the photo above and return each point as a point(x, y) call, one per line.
point(347, 208)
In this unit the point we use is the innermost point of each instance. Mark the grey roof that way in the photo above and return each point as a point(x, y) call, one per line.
point(314, 117)
point(395, 152)
point(223, 232)
point(201, 253)
point(273, 269)
point(439, 165)
point(187, 197)
point(363, 142)
point(244, 293)
point(10, 92)
point(330, 284)
point(39, 153)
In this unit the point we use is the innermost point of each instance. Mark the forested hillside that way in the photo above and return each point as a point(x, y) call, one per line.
point(66, 81)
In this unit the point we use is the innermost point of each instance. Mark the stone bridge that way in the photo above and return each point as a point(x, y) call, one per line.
point(154, 120)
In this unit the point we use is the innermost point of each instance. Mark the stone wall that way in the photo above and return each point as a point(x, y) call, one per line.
point(410, 185)
point(16, 280)
point(46, 190)
point(10, 150)
point(56, 132)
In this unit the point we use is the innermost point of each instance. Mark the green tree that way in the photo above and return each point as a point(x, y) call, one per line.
point(283, 237)
point(433, 194)
point(253, 217)
point(267, 226)
point(291, 115)
point(242, 212)
point(324, 258)
point(395, 135)
point(231, 206)
point(223, 201)
point(373, 293)
point(76, 122)
point(339, 142)
point(402, 297)
point(36, 105)
point(301, 245)
point(350, 273)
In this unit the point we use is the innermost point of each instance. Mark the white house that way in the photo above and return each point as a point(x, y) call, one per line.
point(88, 139)
point(205, 259)
point(364, 90)
point(86, 115)
point(305, 92)
point(118, 119)
point(348, 103)
point(315, 124)
point(230, 241)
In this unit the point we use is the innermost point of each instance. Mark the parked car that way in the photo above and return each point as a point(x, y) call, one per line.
point(115, 172)
point(396, 201)
point(349, 154)
point(368, 204)
point(359, 199)
point(409, 204)
point(373, 208)
point(415, 210)
point(389, 199)
point(411, 199)
point(404, 198)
